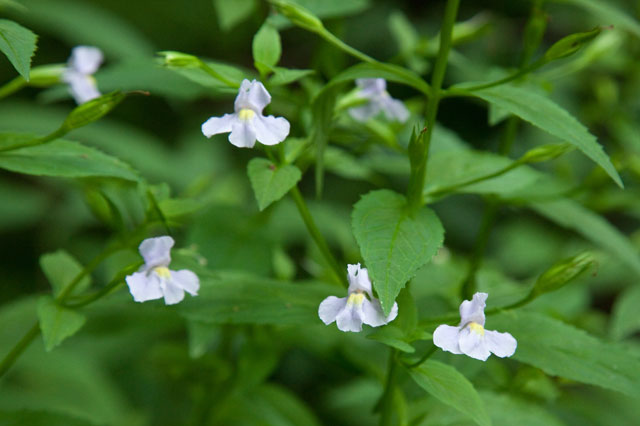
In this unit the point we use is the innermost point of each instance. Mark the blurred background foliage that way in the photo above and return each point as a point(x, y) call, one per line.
point(138, 364)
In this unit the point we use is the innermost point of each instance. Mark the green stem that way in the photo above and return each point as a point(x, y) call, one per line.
point(91, 266)
point(37, 141)
point(424, 357)
point(328, 36)
point(386, 400)
point(12, 87)
point(215, 74)
point(416, 188)
point(19, 347)
point(113, 284)
point(317, 236)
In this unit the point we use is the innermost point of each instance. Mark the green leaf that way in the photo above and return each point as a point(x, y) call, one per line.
point(625, 319)
point(542, 112)
point(266, 47)
point(394, 243)
point(19, 44)
point(60, 269)
point(449, 386)
point(392, 336)
point(57, 322)
point(508, 410)
point(270, 182)
point(571, 215)
point(562, 350)
point(231, 13)
point(244, 299)
point(282, 76)
point(608, 14)
point(61, 158)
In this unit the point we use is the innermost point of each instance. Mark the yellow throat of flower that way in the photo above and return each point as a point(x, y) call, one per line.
point(246, 114)
point(162, 272)
point(355, 299)
point(474, 326)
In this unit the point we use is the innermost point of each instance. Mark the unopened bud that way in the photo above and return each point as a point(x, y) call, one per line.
point(298, 15)
point(92, 111)
point(563, 273)
point(179, 59)
point(570, 44)
point(545, 152)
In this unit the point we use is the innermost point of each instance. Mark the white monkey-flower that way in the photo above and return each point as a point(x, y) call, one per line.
point(154, 279)
point(247, 123)
point(351, 312)
point(375, 91)
point(83, 63)
point(470, 337)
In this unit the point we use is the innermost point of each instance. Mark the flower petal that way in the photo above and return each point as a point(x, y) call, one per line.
point(216, 125)
point(350, 318)
point(364, 112)
point(370, 87)
point(446, 338)
point(501, 344)
point(187, 280)
point(473, 344)
point(242, 135)
point(394, 109)
point(144, 286)
point(173, 293)
point(82, 87)
point(85, 59)
point(252, 95)
point(156, 251)
point(473, 311)
point(271, 130)
point(330, 308)
point(373, 314)
point(358, 279)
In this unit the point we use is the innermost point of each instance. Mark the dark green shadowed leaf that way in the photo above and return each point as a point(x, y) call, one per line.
point(270, 182)
point(61, 268)
point(394, 243)
point(542, 112)
point(449, 386)
point(562, 350)
point(56, 322)
point(19, 44)
point(61, 158)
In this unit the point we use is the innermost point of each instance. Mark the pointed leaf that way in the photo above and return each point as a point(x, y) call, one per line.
point(19, 44)
point(61, 268)
point(269, 182)
point(393, 242)
point(266, 47)
point(57, 322)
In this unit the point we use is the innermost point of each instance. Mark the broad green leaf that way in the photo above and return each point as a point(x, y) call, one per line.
point(449, 386)
point(60, 269)
point(80, 22)
point(562, 350)
point(40, 418)
point(392, 336)
point(19, 44)
point(282, 76)
point(231, 13)
point(57, 322)
point(266, 47)
point(394, 243)
point(507, 410)
point(608, 14)
point(572, 215)
point(271, 182)
point(243, 299)
point(625, 319)
point(61, 158)
point(542, 112)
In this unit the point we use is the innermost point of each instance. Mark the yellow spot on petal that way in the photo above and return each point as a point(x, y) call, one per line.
point(474, 326)
point(246, 114)
point(162, 272)
point(355, 299)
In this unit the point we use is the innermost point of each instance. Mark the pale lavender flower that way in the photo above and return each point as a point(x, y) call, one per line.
point(375, 91)
point(470, 337)
point(83, 63)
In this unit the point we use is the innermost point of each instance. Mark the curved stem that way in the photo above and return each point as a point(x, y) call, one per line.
point(385, 405)
point(91, 266)
point(12, 87)
point(328, 36)
point(340, 275)
point(424, 357)
point(19, 347)
point(215, 74)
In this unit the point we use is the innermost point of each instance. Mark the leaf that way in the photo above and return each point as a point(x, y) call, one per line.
point(392, 336)
point(571, 215)
point(609, 14)
point(61, 158)
point(270, 183)
point(266, 47)
point(542, 112)
point(231, 13)
point(508, 410)
point(394, 243)
point(449, 386)
point(19, 44)
point(244, 299)
point(56, 322)
point(60, 269)
point(40, 418)
point(282, 76)
point(625, 319)
point(562, 350)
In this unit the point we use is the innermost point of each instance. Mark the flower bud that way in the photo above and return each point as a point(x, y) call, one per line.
point(179, 59)
point(563, 272)
point(545, 152)
point(91, 111)
point(298, 15)
point(46, 75)
point(570, 44)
